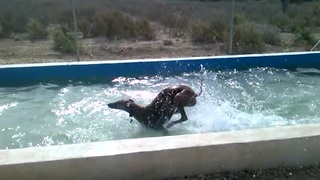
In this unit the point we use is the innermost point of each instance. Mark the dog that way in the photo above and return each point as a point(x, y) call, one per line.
point(169, 101)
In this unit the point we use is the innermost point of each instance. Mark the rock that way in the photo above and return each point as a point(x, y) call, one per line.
point(167, 42)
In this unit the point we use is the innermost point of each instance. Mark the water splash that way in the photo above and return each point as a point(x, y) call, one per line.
point(49, 114)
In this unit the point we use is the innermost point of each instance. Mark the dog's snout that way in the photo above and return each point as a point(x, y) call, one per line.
point(111, 105)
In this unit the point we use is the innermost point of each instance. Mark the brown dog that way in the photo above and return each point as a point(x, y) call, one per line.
point(162, 108)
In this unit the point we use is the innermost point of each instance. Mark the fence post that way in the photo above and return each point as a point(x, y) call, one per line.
point(75, 28)
point(231, 26)
point(315, 45)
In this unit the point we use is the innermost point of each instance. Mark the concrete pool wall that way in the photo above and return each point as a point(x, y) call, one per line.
point(97, 71)
point(161, 157)
point(166, 157)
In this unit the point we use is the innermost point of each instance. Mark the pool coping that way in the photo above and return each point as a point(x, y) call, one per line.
point(106, 70)
point(167, 157)
point(124, 61)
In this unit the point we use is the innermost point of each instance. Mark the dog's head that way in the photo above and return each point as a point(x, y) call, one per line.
point(124, 104)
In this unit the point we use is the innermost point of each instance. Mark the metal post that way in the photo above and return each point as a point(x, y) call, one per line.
point(75, 28)
point(315, 45)
point(231, 26)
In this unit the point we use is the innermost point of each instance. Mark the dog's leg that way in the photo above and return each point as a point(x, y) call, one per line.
point(183, 118)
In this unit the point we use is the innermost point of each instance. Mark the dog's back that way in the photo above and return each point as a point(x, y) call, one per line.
point(162, 108)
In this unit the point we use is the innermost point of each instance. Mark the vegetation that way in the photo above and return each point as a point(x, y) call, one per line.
point(304, 38)
point(64, 41)
point(36, 30)
point(257, 23)
point(117, 25)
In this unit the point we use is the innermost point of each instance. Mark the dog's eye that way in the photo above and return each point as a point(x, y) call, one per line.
point(128, 104)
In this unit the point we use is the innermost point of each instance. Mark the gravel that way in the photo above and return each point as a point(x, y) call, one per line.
point(297, 173)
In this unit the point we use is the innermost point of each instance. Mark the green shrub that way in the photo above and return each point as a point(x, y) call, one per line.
point(297, 22)
point(303, 37)
point(64, 42)
point(36, 30)
point(247, 39)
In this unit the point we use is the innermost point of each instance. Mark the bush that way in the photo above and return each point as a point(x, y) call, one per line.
point(303, 37)
point(6, 25)
point(143, 29)
point(178, 23)
point(113, 25)
point(247, 39)
point(64, 42)
point(204, 33)
point(314, 17)
point(281, 21)
point(297, 22)
point(270, 34)
point(116, 25)
point(84, 26)
point(36, 30)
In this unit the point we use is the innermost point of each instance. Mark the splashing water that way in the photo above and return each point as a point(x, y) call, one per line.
point(50, 114)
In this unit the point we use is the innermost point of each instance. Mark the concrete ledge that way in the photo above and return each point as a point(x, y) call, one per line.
point(164, 157)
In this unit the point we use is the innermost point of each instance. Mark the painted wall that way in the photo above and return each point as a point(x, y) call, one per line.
point(12, 75)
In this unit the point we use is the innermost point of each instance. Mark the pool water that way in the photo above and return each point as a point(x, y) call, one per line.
point(53, 114)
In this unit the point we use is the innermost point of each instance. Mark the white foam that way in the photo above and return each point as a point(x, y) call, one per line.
point(49, 114)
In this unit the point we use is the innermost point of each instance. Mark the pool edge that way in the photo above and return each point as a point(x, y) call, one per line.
point(98, 71)
point(174, 156)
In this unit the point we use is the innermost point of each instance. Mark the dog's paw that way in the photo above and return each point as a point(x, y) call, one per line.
point(170, 124)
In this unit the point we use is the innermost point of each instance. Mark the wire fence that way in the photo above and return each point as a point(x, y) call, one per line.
point(128, 29)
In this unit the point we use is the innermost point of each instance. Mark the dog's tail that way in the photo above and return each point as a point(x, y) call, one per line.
point(201, 79)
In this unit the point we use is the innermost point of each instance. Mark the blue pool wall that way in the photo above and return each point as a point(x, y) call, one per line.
point(91, 71)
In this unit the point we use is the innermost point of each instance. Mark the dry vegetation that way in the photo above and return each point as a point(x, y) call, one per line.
point(41, 31)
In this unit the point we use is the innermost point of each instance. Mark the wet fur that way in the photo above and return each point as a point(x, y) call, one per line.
point(154, 115)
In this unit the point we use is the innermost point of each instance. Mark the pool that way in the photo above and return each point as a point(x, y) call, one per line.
point(48, 105)
point(45, 114)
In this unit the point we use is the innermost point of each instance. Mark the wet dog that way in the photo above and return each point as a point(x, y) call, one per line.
point(169, 101)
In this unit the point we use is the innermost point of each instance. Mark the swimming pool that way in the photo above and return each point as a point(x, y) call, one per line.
point(51, 113)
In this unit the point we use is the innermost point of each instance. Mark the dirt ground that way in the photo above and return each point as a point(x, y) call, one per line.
point(21, 50)
point(24, 51)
